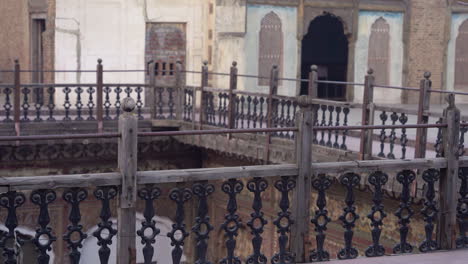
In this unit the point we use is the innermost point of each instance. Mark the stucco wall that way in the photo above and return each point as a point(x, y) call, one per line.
point(395, 21)
point(288, 16)
point(457, 20)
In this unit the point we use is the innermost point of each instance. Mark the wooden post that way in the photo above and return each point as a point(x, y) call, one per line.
point(17, 97)
point(232, 96)
point(423, 105)
point(127, 161)
point(151, 98)
point(301, 198)
point(99, 84)
point(365, 150)
point(313, 85)
point(273, 90)
point(204, 83)
point(446, 231)
point(180, 90)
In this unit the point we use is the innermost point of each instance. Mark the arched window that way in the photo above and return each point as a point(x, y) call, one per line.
point(270, 47)
point(379, 51)
point(461, 58)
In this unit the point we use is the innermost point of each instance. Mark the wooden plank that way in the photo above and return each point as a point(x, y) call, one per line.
point(423, 106)
point(302, 192)
point(446, 228)
point(127, 162)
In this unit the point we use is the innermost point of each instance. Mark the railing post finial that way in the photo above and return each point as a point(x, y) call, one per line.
point(99, 61)
point(128, 104)
point(370, 71)
point(427, 75)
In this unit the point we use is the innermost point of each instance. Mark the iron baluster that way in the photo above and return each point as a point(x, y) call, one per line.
point(67, 103)
point(392, 138)
point(331, 108)
point(91, 104)
point(78, 104)
point(241, 114)
point(462, 209)
point(438, 144)
point(257, 222)
point(288, 121)
point(202, 227)
point(345, 132)
point(160, 103)
point(404, 139)
point(232, 223)
point(11, 201)
point(337, 133)
point(7, 106)
point(383, 116)
point(139, 102)
point(429, 210)
point(107, 103)
point(220, 109)
point(191, 103)
point(105, 194)
point(128, 91)
point(185, 104)
point(283, 222)
point(316, 109)
point(212, 110)
point(255, 102)
point(43, 238)
point(178, 232)
point(377, 179)
point(261, 115)
point(39, 103)
point(117, 104)
point(237, 115)
point(25, 104)
point(461, 146)
point(349, 216)
point(404, 212)
point(148, 194)
point(323, 123)
point(51, 104)
point(225, 111)
point(74, 197)
point(249, 114)
point(281, 119)
point(321, 218)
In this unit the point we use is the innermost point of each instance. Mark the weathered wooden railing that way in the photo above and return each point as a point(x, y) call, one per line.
point(208, 107)
point(444, 206)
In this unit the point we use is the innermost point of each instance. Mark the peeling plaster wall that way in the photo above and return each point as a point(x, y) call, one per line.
point(366, 20)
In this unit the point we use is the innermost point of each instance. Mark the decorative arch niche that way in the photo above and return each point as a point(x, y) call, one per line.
point(270, 47)
point(461, 57)
point(379, 51)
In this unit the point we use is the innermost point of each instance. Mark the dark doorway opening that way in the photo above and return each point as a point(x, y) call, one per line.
point(326, 46)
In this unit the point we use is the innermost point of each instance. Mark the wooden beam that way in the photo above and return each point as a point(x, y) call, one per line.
point(446, 228)
point(365, 151)
point(127, 162)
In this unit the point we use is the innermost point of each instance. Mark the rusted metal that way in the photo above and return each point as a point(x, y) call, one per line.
point(99, 87)
point(16, 97)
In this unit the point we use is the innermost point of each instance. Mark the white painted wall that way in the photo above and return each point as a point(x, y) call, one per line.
point(366, 20)
point(288, 16)
point(457, 20)
point(114, 30)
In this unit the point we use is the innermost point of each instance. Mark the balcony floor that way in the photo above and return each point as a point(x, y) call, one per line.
point(445, 257)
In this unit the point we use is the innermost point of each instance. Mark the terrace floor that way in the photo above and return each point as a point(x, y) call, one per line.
point(445, 257)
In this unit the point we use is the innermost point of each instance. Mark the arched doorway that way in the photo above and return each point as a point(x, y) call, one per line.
point(326, 45)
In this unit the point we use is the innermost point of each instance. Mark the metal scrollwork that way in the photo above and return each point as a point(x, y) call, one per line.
point(43, 238)
point(10, 201)
point(321, 218)
point(178, 233)
point(429, 210)
point(105, 194)
point(202, 227)
point(232, 223)
point(349, 216)
point(257, 222)
point(283, 222)
point(404, 212)
point(462, 209)
point(74, 197)
point(148, 194)
point(377, 179)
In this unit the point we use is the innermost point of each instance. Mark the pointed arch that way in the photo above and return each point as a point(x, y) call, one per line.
point(379, 51)
point(270, 46)
point(461, 57)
